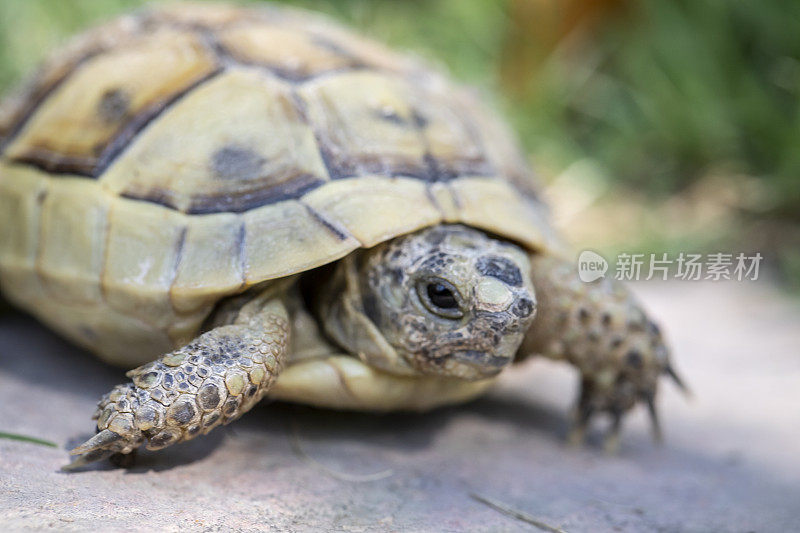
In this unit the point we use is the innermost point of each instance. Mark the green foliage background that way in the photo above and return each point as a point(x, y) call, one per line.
point(659, 96)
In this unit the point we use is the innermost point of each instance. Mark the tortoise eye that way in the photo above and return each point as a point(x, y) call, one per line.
point(440, 298)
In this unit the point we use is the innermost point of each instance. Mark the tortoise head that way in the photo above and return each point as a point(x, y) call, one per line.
point(447, 300)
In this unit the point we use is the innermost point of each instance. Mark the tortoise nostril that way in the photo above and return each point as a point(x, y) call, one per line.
point(523, 307)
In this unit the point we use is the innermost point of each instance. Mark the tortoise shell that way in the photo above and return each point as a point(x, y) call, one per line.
point(182, 154)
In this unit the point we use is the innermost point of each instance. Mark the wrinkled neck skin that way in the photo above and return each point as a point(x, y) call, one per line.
point(374, 305)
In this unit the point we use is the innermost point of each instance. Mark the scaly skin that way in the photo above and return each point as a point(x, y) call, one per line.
point(375, 295)
point(211, 381)
point(600, 329)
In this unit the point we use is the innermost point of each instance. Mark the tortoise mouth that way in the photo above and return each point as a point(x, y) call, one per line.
point(482, 360)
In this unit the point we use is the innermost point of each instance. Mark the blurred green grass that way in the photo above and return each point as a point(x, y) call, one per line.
point(687, 102)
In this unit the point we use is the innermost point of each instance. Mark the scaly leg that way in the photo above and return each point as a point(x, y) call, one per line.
point(600, 329)
point(211, 381)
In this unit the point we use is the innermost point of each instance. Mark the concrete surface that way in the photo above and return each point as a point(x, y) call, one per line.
point(731, 461)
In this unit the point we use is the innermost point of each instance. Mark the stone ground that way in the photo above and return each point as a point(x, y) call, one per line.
point(731, 461)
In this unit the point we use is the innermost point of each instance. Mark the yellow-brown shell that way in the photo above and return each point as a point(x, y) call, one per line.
point(179, 155)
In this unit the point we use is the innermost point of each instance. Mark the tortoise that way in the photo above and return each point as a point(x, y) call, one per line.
point(255, 202)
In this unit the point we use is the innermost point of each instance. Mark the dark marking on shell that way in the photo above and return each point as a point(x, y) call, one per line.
point(332, 166)
point(433, 168)
point(36, 94)
point(180, 247)
point(456, 199)
point(293, 187)
point(292, 74)
point(94, 166)
point(432, 199)
point(300, 106)
point(390, 115)
point(500, 268)
point(337, 49)
point(237, 163)
point(420, 121)
point(113, 106)
point(241, 245)
point(330, 226)
point(341, 163)
point(56, 164)
point(210, 41)
point(138, 123)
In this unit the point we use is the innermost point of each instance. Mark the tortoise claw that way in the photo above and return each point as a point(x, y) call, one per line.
point(678, 380)
point(611, 441)
point(582, 416)
point(102, 440)
point(104, 444)
point(615, 402)
point(87, 458)
point(577, 433)
point(658, 435)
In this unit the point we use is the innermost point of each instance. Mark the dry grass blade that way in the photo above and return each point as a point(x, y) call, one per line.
point(344, 476)
point(513, 513)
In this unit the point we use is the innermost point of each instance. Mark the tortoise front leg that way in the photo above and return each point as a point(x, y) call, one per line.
point(601, 329)
point(211, 381)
